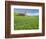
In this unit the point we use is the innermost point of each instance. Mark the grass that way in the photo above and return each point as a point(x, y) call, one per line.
point(26, 22)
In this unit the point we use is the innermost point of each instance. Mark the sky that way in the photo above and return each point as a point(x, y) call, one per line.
point(29, 11)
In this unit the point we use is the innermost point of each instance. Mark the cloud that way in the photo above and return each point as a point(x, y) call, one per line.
point(31, 14)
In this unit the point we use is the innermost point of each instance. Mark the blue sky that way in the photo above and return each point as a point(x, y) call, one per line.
point(30, 11)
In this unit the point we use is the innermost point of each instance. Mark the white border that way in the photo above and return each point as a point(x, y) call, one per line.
point(26, 31)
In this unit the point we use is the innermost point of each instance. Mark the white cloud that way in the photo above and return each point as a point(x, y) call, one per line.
point(30, 14)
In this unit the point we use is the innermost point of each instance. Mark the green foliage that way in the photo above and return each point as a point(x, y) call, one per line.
point(26, 22)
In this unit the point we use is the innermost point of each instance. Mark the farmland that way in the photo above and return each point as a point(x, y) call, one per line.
point(26, 22)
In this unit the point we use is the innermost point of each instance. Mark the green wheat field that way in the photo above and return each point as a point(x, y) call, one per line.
point(26, 22)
